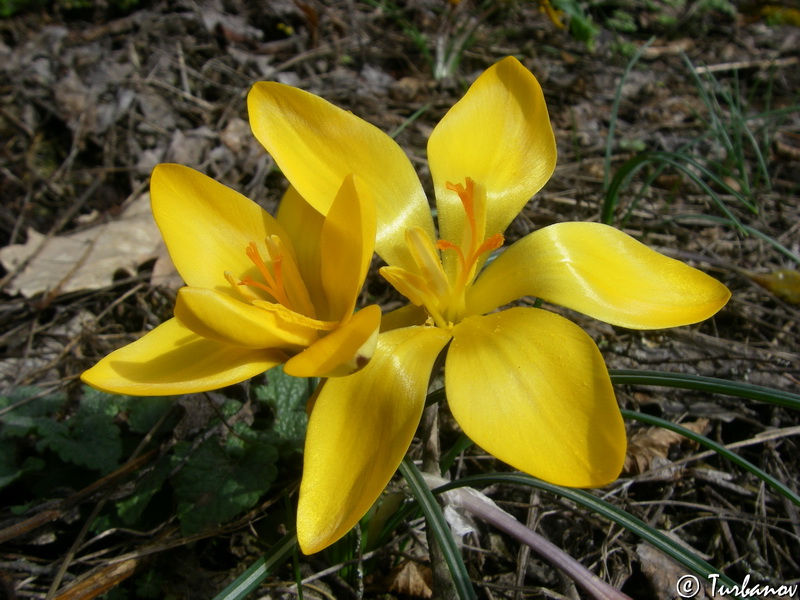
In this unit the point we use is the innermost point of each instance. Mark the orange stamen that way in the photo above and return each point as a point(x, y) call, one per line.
point(445, 245)
point(466, 196)
point(492, 243)
point(254, 255)
point(274, 284)
point(441, 289)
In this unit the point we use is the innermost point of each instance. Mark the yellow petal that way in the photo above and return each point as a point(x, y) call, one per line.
point(359, 431)
point(602, 272)
point(343, 351)
point(405, 316)
point(499, 135)
point(172, 360)
point(347, 241)
point(531, 388)
point(206, 225)
point(226, 320)
point(303, 225)
point(317, 144)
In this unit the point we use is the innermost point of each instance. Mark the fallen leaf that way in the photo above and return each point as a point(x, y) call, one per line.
point(164, 274)
point(99, 580)
point(668, 580)
point(651, 445)
point(85, 260)
point(784, 283)
point(411, 579)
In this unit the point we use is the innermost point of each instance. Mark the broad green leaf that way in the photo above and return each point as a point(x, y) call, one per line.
point(94, 402)
point(89, 438)
point(131, 508)
point(287, 397)
point(142, 412)
point(91, 441)
point(150, 584)
point(10, 471)
point(145, 412)
point(23, 418)
point(213, 486)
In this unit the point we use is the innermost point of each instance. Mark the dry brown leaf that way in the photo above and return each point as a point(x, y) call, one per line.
point(99, 580)
point(652, 444)
point(666, 576)
point(164, 274)
point(85, 260)
point(784, 283)
point(411, 579)
point(671, 48)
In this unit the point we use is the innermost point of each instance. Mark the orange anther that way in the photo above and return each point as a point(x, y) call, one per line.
point(445, 245)
point(466, 194)
point(273, 284)
point(492, 243)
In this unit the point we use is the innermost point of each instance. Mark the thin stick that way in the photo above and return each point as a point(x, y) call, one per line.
point(749, 64)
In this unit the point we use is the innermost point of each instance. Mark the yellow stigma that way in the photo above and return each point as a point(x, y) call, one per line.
point(442, 291)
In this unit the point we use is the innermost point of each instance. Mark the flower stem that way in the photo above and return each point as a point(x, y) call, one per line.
point(482, 507)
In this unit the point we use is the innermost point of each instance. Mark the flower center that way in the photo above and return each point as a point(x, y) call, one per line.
point(280, 278)
point(441, 288)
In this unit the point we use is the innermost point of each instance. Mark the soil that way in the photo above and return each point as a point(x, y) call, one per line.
point(93, 98)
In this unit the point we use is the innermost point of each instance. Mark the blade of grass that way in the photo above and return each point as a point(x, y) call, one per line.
point(747, 229)
point(718, 448)
point(258, 571)
point(733, 133)
point(633, 524)
point(413, 117)
point(706, 384)
point(393, 11)
point(435, 519)
point(612, 125)
point(690, 167)
point(462, 443)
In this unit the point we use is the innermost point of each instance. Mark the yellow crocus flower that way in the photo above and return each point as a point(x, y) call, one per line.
point(527, 385)
point(260, 291)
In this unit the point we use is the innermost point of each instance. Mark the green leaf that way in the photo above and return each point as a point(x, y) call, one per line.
point(142, 412)
point(580, 25)
point(9, 472)
point(150, 584)
point(91, 440)
point(95, 402)
point(214, 486)
point(287, 397)
point(23, 419)
point(131, 508)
